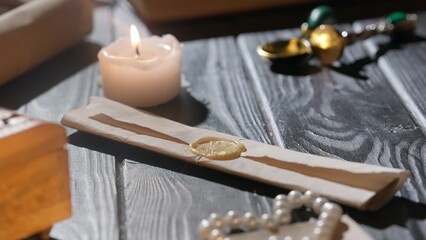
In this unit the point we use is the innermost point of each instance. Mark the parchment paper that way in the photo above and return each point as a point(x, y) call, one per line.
point(39, 29)
point(363, 186)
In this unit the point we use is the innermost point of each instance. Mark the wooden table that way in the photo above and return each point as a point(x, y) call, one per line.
point(371, 109)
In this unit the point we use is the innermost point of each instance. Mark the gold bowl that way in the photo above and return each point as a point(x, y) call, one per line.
point(295, 50)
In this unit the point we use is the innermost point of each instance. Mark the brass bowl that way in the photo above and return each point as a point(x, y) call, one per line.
point(295, 50)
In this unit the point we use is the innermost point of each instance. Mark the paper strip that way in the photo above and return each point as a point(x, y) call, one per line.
point(363, 186)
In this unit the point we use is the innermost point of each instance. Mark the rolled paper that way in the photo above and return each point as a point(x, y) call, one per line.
point(39, 29)
point(363, 186)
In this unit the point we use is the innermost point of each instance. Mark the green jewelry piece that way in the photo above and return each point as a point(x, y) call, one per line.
point(401, 22)
point(320, 15)
point(327, 43)
point(396, 17)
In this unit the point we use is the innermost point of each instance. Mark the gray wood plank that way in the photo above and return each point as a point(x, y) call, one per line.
point(123, 16)
point(169, 204)
point(92, 173)
point(164, 204)
point(64, 83)
point(177, 201)
point(404, 66)
point(346, 112)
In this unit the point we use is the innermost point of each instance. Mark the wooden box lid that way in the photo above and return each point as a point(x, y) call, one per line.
point(34, 175)
point(170, 10)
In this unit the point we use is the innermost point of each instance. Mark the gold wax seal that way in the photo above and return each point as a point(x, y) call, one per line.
point(217, 148)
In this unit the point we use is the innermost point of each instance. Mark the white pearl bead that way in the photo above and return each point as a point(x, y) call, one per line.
point(333, 209)
point(295, 199)
point(309, 198)
point(321, 223)
point(280, 197)
point(216, 234)
point(273, 237)
point(288, 238)
point(282, 216)
point(268, 222)
point(322, 233)
point(232, 219)
point(215, 220)
point(319, 201)
point(281, 204)
point(249, 221)
point(323, 237)
point(204, 228)
point(328, 217)
point(324, 223)
point(306, 238)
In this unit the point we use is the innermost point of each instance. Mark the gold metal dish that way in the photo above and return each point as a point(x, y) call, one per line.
point(293, 50)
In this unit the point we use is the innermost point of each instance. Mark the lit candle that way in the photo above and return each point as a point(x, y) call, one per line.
point(141, 72)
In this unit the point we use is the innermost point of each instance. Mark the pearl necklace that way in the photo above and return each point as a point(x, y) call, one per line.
point(329, 214)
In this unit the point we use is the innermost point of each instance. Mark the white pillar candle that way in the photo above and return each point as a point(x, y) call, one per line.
point(141, 72)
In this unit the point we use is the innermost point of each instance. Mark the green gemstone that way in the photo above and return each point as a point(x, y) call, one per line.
point(397, 17)
point(320, 15)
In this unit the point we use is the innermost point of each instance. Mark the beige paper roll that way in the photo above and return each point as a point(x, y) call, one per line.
point(35, 31)
point(363, 186)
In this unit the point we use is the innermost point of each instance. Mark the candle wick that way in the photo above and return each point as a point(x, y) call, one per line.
point(137, 51)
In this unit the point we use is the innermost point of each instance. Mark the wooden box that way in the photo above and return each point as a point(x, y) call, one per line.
point(34, 179)
point(170, 10)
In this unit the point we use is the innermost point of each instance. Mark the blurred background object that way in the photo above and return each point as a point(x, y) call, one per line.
point(191, 19)
point(36, 30)
point(168, 10)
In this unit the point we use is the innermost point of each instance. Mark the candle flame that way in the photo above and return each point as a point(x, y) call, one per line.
point(135, 38)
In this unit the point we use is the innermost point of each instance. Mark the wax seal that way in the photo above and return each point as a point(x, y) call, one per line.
point(217, 148)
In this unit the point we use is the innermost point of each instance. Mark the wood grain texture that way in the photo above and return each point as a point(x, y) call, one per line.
point(169, 204)
point(164, 204)
point(347, 111)
point(403, 65)
point(34, 188)
point(92, 174)
point(402, 62)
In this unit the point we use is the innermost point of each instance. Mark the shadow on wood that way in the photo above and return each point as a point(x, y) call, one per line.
point(302, 69)
point(184, 109)
point(125, 151)
point(355, 69)
point(39, 80)
point(397, 42)
point(398, 211)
